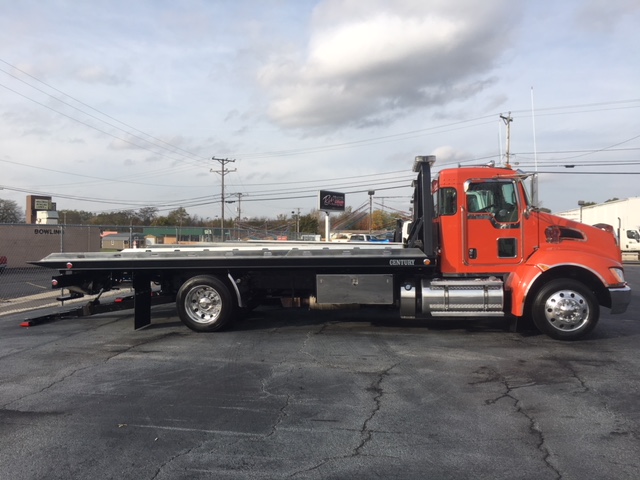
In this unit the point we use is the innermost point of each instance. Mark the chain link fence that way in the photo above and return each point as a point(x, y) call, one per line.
point(24, 286)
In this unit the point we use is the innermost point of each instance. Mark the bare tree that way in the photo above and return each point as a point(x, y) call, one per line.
point(10, 212)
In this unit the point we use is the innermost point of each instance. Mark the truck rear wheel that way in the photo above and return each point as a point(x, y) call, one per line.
point(565, 309)
point(204, 303)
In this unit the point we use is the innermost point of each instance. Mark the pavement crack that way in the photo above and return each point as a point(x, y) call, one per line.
point(376, 388)
point(47, 387)
point(305, 343)
point(282, 414)
point(534, 427)
point(535, 430)
point(315, 467)
point(139, 344)
point(80, 369)
point(574, 373)
point(173, 459)
point(366, 434)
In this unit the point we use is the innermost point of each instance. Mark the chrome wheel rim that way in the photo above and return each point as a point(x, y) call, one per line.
point(566, 310)
point(203, 305)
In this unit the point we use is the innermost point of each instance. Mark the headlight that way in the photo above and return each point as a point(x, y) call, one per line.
point(618, 273)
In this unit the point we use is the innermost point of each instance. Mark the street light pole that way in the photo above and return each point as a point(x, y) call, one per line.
point(581, 203)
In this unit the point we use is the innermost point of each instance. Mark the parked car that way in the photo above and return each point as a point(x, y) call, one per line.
point(359, 237)
point(3, 263)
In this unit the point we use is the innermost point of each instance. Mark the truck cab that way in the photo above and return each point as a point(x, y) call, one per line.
point(630, 240)
point(486, 227)
point(480, 212)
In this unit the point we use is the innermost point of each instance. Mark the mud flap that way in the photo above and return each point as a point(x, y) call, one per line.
point(141, 300)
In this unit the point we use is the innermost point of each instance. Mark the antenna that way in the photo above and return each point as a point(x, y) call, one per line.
point(534, 180)
point(500, 141)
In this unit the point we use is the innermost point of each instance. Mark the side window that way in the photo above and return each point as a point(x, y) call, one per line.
point(497, 198)
point(448, 201)
point(507, 247)
point(480, 197)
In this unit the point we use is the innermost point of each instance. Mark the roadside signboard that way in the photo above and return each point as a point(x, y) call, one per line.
point(331, 201)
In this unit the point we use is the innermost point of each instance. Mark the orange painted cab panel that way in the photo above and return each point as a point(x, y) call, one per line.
point(489, 230)
point(486, 226)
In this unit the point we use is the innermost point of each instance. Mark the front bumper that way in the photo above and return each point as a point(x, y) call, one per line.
point(620, 299)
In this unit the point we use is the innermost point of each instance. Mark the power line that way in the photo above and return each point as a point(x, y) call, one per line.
point(280, 153)
point(88, 124)
point(173, 147)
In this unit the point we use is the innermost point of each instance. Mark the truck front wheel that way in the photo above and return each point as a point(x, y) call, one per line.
point(565, 309)
point(204, 303)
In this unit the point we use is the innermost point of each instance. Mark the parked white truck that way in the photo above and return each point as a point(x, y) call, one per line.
point(622, 215)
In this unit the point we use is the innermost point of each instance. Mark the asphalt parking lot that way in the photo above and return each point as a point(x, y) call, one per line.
point(318, 395)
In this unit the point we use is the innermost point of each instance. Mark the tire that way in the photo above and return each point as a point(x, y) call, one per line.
point(565, 309)
point(204, 304)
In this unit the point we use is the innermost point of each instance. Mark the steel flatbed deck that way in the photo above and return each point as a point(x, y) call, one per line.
point(283, 266)
point(295, 255)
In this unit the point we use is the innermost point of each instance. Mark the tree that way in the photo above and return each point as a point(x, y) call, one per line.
point(119, 217)
point(611, 200)
point(74, 217)
point(349, 220)
point(381, 220)
point(10, 212)
point(147, 215)
point(161, 221)
point(309, 223)
point(179, 216)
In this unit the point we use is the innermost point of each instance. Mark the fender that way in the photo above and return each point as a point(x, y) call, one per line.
point(234, 284)
point(545, 262)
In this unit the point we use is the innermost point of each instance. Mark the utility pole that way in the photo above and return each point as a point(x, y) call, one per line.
point(239, 195)
point(371, 194)
point(222, 172)
point(507, 121)
point(297, 219)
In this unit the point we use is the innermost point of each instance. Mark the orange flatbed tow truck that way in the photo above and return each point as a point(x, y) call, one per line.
point(476, 248)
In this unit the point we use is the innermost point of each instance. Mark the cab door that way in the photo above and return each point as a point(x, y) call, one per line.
point(492, 224)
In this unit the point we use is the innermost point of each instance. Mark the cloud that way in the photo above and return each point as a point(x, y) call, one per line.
point(448, 155)
point(602, 15)
point(101, 75)
point(128, 143)
point(368, 63)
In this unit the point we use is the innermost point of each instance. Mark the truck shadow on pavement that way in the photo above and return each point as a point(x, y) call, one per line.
point(374, 319)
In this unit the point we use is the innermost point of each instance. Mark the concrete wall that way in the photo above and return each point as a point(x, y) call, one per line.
point(28, 242)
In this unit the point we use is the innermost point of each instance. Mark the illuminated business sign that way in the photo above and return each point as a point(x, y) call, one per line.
point(42, 204)
point(331, 201)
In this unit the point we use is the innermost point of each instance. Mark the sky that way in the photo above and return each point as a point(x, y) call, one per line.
point(110, 105)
